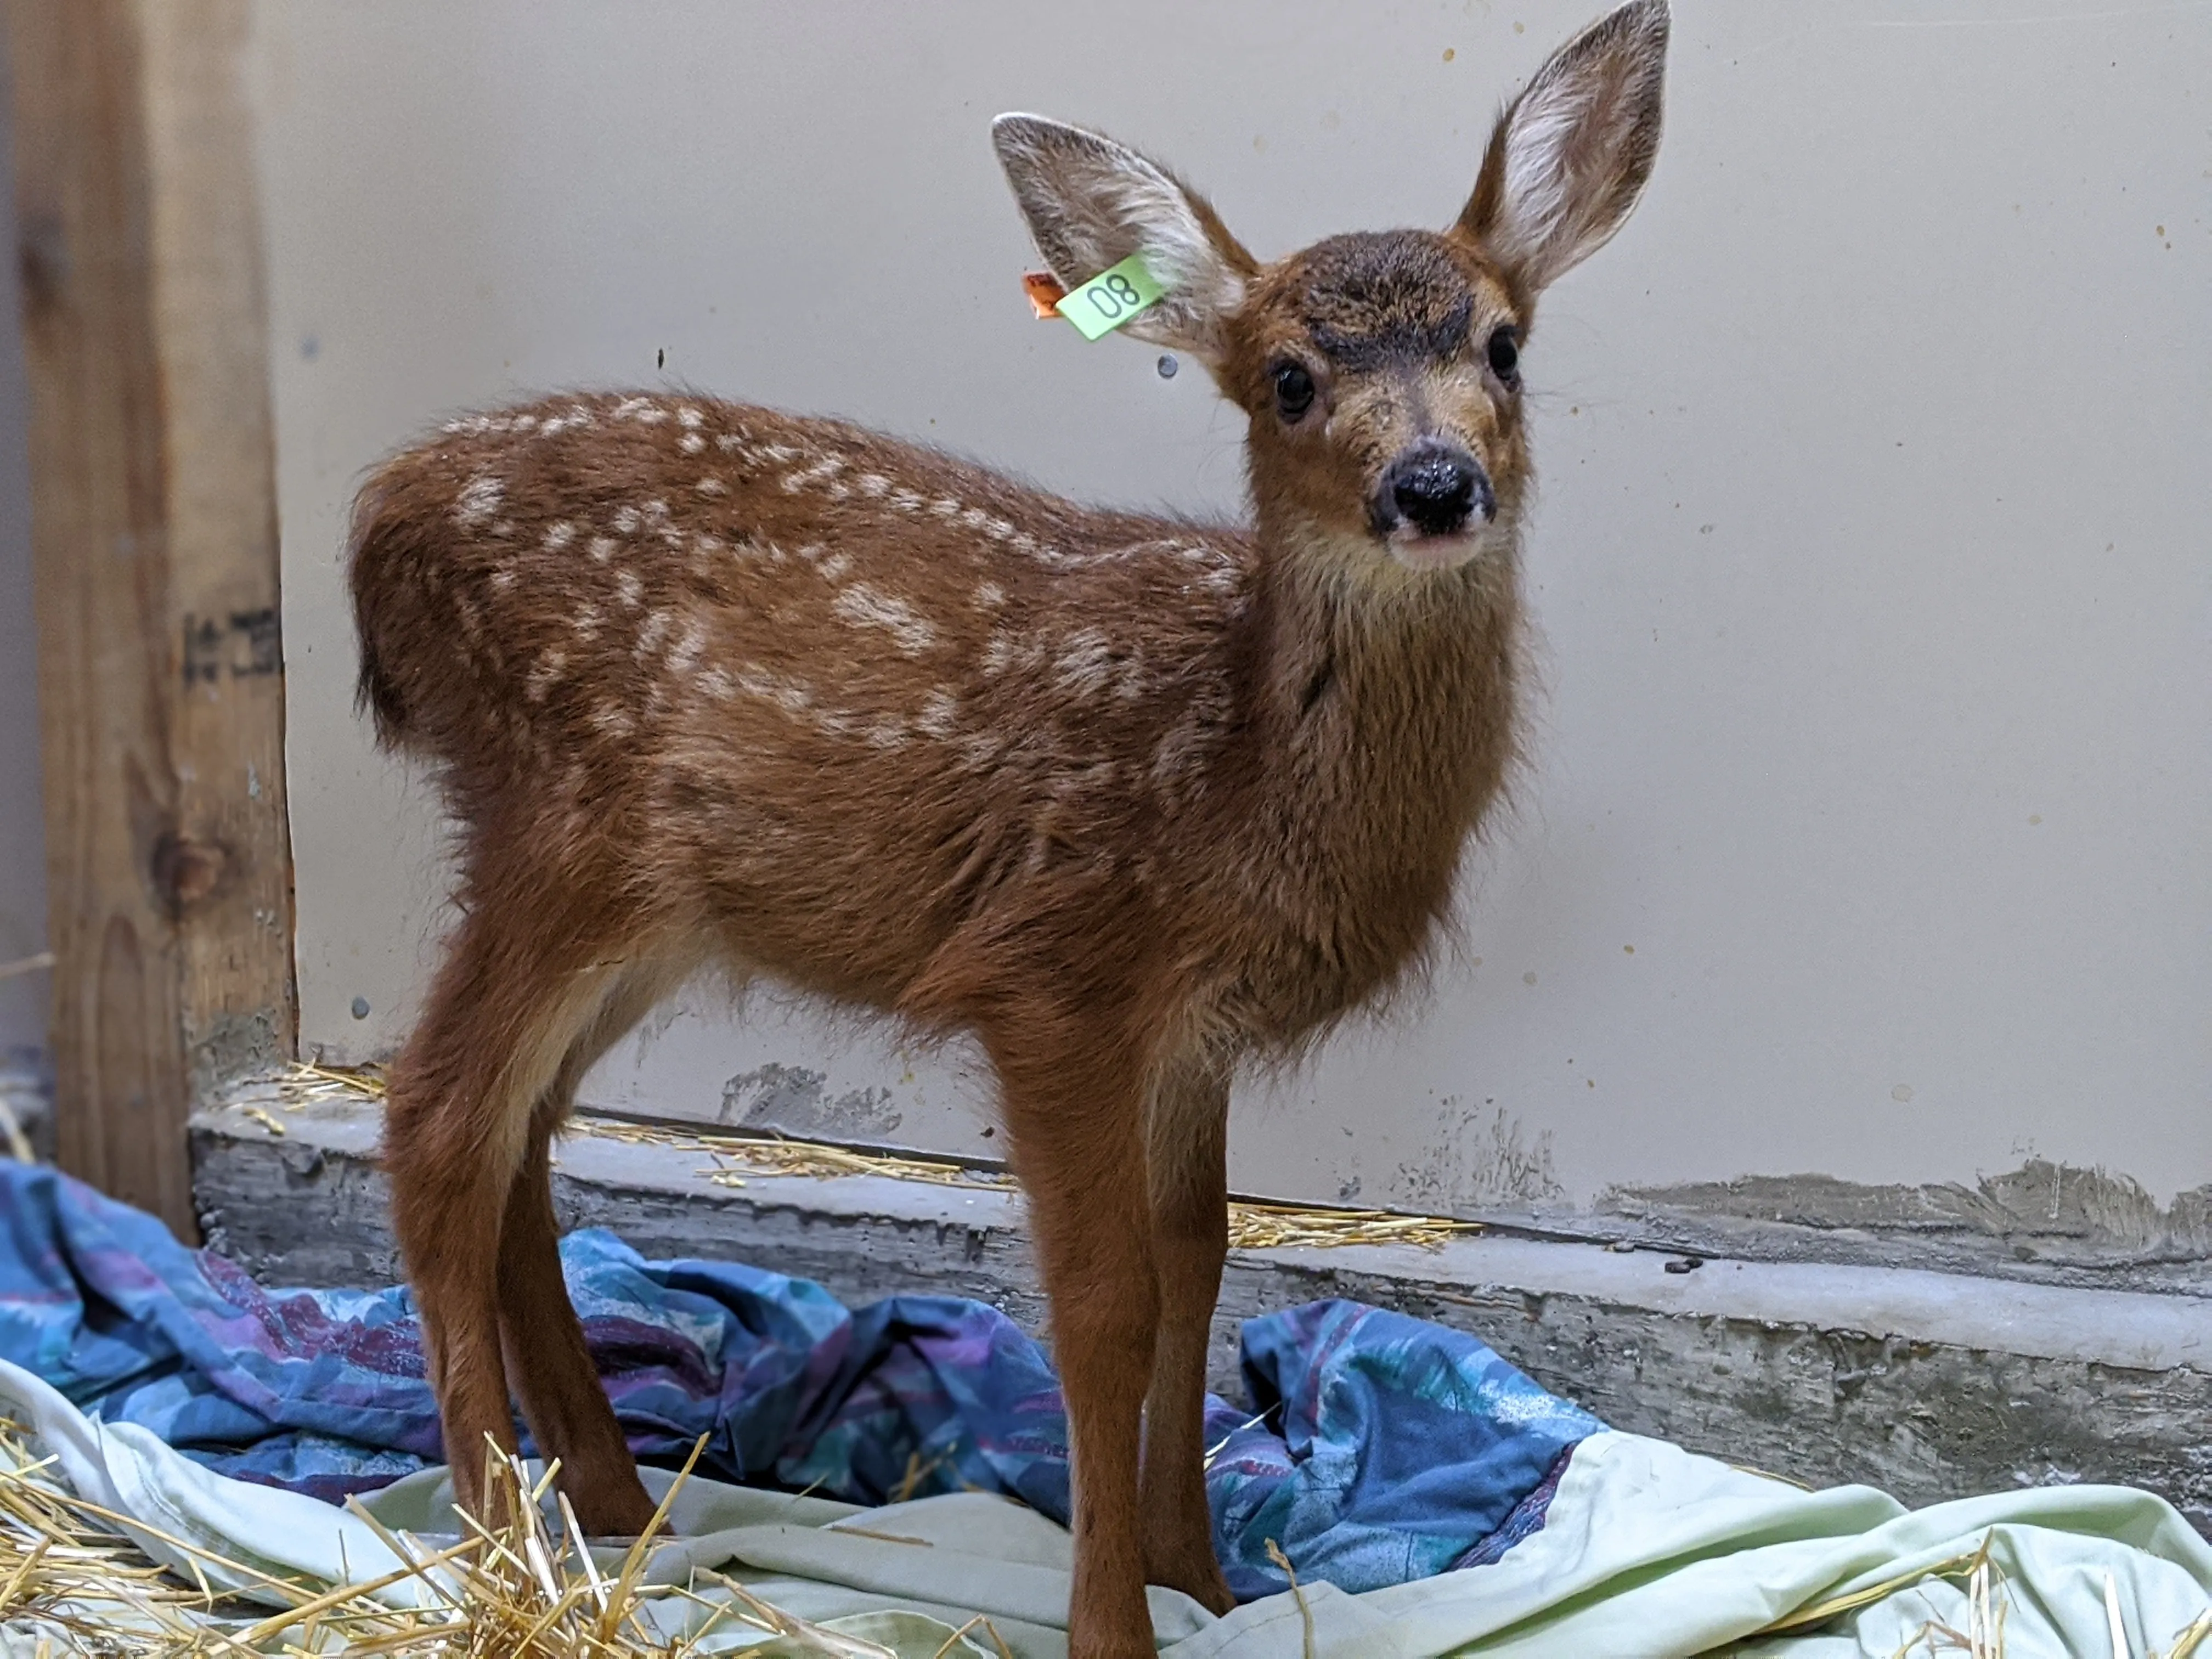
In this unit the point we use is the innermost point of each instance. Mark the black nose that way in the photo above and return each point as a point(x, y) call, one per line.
point(1435, 488)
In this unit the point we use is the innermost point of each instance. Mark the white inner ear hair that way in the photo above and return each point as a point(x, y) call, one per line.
point(1536, 194)
point(1177, 251)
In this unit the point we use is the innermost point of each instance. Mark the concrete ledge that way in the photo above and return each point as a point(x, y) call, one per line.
point(1929, 1385)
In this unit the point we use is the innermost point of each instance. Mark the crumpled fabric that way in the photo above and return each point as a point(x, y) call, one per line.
point(1388, 1450)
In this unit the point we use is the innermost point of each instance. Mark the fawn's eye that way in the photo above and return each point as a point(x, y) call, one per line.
point(1504, 350)
point(1294, 391)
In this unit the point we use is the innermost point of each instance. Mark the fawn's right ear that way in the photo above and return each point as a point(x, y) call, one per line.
point(1092, 202)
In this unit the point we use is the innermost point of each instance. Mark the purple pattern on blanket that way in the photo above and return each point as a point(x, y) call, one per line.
point(1390, 1449)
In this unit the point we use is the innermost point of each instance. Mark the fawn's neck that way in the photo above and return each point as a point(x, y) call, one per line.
point(1383, 724)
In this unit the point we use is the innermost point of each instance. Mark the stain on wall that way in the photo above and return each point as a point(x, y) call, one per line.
point(1481, 1156)
point(797, 1101)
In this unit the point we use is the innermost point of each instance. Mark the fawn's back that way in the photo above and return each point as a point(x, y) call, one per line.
point(817, 703)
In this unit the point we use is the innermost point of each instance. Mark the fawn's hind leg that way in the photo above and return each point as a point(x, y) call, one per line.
point(1186, 1137)
point(551, 1368)
point(506, 1007)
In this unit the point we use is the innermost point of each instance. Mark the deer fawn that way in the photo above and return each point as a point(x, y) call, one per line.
point(1128, 799)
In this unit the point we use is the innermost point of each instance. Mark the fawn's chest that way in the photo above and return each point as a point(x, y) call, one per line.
point(1345, 866)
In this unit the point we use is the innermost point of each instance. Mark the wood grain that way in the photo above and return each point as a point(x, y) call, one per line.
point(154, 550)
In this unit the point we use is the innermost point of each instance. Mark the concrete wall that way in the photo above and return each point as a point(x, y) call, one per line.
point(1866, 829)
point(23, 828)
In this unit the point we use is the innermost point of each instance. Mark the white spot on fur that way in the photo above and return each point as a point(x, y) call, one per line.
point(711, 485)
point(717, 684)
point(655, 630)
point(945, 507)
point(990, 595)
point(823, 470)
point(684, 655)
point(586, 622)
point(1086, 661)
point(629, 589)
point(940, 710)
point(864, 607)
point(479, 499)
point(689, 418)
point(503, 578)
point(834, 567)
point(626, 520)
point(887, 732)
point(545, 675)
point(906, 500)
point(729, 440)
point(602, 549)
point(998, 654)
point(873, 484)
point(559, 536)
point(792, 696)
point(524, 422)
point(612, 720)
point(691, 443)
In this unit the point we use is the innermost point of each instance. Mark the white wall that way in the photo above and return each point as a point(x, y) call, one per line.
point(1868, 827)
point(23, 830)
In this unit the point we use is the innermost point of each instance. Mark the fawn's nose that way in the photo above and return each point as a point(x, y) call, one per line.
point(1436, 488)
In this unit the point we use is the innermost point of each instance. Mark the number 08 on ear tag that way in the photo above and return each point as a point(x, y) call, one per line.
point(1111, 298)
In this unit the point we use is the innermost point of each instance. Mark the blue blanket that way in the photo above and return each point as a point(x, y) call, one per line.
point(1390, 1449)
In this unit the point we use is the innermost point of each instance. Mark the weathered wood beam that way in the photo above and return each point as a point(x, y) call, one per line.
point(155, 552)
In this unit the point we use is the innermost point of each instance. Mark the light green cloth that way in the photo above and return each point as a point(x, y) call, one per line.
point(1648, 1551)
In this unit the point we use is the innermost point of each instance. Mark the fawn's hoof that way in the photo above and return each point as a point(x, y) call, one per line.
point(613, 1510)
point(1200, 1577)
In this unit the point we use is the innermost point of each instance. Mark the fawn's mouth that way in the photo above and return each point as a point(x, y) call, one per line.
point(1426, 550)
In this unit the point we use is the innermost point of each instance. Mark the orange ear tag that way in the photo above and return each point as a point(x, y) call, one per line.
point(1045, 293)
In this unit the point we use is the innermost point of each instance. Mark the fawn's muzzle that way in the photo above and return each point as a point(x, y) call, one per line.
point(1435, 488)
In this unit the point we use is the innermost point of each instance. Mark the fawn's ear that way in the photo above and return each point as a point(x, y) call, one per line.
point(1569, 158)
point(1092, 202)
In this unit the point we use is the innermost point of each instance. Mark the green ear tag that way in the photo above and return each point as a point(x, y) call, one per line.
point(1111, 298)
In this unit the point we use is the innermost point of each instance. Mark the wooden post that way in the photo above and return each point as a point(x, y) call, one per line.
point(154, 529)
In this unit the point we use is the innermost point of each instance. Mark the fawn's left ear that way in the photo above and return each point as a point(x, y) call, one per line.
point(1092, 202)
point(1570, 155)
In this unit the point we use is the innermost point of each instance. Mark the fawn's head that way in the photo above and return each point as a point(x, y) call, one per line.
point(1380, 371)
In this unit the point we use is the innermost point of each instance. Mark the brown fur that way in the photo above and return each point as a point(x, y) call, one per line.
point(1126, 798)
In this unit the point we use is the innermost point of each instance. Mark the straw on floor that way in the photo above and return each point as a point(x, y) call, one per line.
point(1252, 1225)
point(72, 1582)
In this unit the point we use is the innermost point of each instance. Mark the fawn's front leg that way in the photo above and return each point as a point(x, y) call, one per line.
point(1186, 1137)
point(1077, 1122)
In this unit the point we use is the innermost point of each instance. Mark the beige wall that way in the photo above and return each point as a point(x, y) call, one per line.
point(1868, 828)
